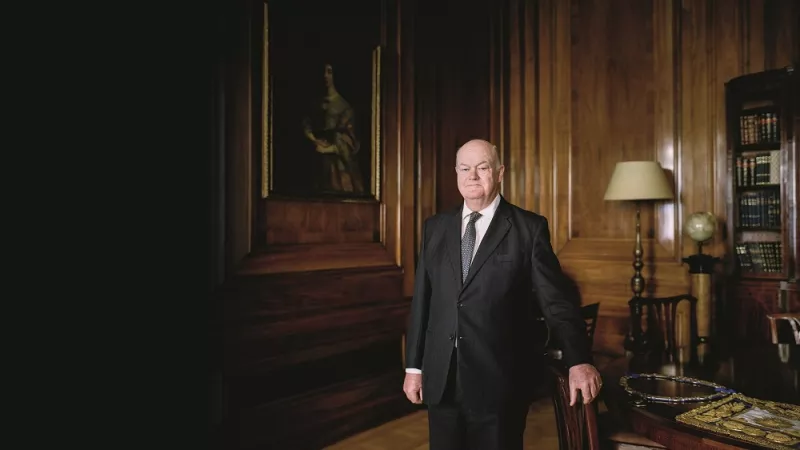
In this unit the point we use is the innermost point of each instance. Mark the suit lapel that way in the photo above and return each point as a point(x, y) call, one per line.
point(494, 235)
point(453, 240)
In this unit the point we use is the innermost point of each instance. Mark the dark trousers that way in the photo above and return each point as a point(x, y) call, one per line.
point(454, 427)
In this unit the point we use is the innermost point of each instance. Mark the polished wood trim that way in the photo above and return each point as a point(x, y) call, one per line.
point(518, 143)
point(306, 221)
point(497, 78)
point(407, 144)
point(311, 257)
point(668, 149)
point(695, 190)
point(281, 296)
point(729, 61)
point(653, 427)
point(260, 347)
point(614, 249)
point(391, 209)
point(753, 27)
point(555, 118)
point(427, 100)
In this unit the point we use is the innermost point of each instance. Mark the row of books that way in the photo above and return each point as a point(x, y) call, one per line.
point(756, 169)
point(760, 209)
point(760, 257)
point(759, 128)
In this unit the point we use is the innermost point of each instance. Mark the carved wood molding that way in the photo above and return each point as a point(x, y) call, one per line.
point(613, 249)
point(314, 257)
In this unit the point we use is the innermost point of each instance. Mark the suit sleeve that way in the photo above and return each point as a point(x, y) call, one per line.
point(418, 320)
point(560, 310)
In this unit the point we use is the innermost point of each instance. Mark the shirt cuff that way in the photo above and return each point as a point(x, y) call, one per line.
point(413, 371)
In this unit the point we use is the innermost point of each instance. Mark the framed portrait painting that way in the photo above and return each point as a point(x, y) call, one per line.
point(321, 98)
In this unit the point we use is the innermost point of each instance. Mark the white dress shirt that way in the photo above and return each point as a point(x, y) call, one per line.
point(481, 225)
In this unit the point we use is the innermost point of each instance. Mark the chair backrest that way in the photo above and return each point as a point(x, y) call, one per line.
point(589, 313)
point(662, 323)
point(577, 425)
point(788, 296)
point(784, 328)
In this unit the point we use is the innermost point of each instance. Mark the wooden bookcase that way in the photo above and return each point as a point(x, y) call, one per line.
point(762, 237)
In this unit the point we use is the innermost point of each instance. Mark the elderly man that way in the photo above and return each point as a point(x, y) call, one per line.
point(471, 354)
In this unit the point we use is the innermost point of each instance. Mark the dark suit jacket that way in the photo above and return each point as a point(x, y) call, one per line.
point(514, 275)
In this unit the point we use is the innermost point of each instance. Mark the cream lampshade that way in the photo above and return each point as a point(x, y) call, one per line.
point(637, 181)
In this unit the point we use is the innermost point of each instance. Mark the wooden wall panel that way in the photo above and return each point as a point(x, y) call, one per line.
point(516, 141)
point(695, 183)
point(616, 81)
point(238, 135)
point(406, 14)
point(752, 43)
point(316, 296)
point(283, 320)
point(554, 125)
point(666, 76)
point(729, 57)
point(612, 109)
point(460, 62)
point(292, 221)
point(427, 81)
point(781, 39)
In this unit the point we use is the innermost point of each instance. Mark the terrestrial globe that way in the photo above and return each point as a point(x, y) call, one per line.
point(700, 226)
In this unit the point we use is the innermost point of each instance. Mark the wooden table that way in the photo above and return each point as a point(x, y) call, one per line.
point(767, 372)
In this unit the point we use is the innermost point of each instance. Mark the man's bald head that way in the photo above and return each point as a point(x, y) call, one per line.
point(482, 144)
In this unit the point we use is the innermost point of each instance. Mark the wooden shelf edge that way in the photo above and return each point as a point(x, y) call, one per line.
point(286, 259)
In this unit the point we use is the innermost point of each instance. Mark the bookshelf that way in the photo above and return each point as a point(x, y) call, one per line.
point(762, 122)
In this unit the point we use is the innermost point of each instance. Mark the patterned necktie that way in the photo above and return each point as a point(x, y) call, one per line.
point(468, 245)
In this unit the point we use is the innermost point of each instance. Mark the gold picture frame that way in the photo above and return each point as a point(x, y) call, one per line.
point(370, 182)
point(766, 423)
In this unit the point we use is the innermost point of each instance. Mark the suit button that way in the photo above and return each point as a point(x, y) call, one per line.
point(460, 304)
point(451, 337)
point(460, 338)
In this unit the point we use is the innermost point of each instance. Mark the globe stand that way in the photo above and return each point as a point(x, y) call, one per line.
point(700, 262)
point(701, 266)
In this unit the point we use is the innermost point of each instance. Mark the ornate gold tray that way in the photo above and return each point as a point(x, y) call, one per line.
point(765, 423)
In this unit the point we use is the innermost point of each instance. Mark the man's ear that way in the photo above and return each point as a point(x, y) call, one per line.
point(500, 171)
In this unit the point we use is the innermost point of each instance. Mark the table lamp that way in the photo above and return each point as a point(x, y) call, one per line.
point(637, 181)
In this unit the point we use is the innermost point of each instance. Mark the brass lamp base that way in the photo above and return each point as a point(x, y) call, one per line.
point(635, 340)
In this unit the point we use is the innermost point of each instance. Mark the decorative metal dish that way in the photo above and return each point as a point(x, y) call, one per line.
point(719, 390)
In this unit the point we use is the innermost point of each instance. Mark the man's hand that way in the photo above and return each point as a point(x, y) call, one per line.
point(412, 386)
point(586, 379)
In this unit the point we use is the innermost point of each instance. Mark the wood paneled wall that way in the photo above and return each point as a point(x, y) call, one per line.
point(452, 77)
point(575, 87)
point(314, 305)
point(565, 88)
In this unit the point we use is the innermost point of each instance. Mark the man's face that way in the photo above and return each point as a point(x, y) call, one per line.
point(477, 177)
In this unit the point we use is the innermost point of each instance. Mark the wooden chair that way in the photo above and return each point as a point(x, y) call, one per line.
point(577, 425)
point(589, 313)
point(784, 328)
point(662, 330)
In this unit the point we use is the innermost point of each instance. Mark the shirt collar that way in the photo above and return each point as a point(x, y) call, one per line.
point(488, 211)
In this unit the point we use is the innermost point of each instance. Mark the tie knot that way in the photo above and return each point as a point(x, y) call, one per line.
point(474, 216)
